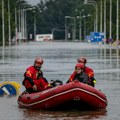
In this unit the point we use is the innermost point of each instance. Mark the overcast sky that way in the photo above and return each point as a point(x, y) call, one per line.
point(33, 2)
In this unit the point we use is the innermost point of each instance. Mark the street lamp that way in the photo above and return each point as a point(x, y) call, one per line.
point(9, 22)
point(24, 24)
point(66, 29)
point(17, 24)
point(80, 25)
point(3, 26)
point(88, 15)
point(117, 20)
point(94, 4)
point(110, 34)
point(21, 21)
point(16, 28)
point(34, 24)
point(20, 15)
point(104, 21)
point(101, 18)
point(74, 27)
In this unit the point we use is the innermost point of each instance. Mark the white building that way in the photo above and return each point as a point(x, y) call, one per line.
point(44, 37)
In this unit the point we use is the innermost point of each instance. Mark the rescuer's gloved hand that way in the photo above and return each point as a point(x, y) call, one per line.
point(34, 88)
point(94, 81)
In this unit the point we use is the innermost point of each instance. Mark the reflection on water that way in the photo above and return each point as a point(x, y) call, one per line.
point(63, 115)
point(59, 60)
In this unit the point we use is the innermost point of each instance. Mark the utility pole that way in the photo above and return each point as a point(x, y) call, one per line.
point(117, 25)
point(104, 21)
point(3, 26)
point(34, 25)
point(110, 20)
point(80, 36)
point(9, 21)
point(66, 31)
point(66, 28)
point(74, 28)
point(16, 30)
point(94, 3)
point(101, 18)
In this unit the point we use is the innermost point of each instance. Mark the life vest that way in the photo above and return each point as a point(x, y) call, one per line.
point(33, 73)
point(83, 77)
point(89, 72)
point(33, 76)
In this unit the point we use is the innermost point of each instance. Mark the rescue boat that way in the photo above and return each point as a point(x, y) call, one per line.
point(73, 95)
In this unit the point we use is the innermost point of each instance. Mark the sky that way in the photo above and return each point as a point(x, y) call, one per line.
point(33, 2)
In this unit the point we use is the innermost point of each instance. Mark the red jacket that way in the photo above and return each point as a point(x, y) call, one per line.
point(89, 71)
point(35, 77)
point(82, 77)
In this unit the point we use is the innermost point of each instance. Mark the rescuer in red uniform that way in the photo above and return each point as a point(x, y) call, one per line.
point(87, 70)
point(33, 77)
point(79, 74)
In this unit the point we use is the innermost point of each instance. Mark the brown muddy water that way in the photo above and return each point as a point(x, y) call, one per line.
point(59, 60)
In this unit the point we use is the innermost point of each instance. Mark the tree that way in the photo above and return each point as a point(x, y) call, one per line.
point(13, 4)
point(50, 17)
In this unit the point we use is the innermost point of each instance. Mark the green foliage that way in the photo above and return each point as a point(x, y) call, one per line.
point(13, 4)
point(53, 15)
point(56, 10)
point(50, 16)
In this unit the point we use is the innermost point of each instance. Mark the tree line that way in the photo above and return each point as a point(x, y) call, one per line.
point(50, 17)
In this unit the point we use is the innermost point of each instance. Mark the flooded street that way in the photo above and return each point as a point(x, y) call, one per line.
point(59, 61)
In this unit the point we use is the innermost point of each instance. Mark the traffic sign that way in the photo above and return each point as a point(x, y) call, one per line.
point(96, 36)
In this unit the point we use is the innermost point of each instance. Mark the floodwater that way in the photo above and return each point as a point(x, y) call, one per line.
point(59, 60)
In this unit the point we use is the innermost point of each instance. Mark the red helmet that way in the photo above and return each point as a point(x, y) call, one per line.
point(82, 60)
point(39, 60)
point(80, 65)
